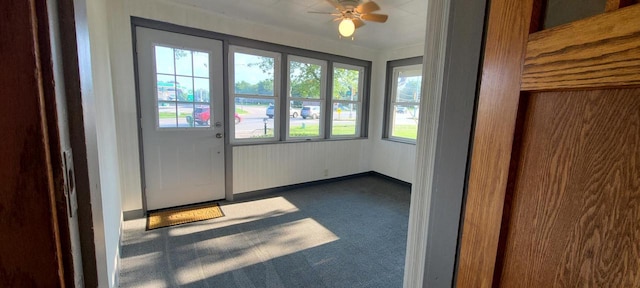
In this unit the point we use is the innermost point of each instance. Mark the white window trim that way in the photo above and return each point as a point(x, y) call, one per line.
point(323, 96)
point(232, 95)
point(358, 103)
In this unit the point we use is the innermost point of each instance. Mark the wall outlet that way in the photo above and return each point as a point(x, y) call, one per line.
point(326, 172)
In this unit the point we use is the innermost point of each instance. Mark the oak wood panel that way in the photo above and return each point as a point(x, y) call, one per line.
point(29, 250)
point(601, 51)
point(575, 213)
point(613, 5)
point(506, 38)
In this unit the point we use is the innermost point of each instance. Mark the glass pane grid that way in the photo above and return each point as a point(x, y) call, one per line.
point(182, 88)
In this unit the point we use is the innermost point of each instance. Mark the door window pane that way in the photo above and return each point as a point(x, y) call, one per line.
point(185, 88)
point(201, 64)
point(167, 115)
point(201, 90)
point(166, 87)
point(253, 74)
point(183, 62)
point(177, 90)
point(201, 115)
point(254, 117)
point(185, 114)
point(164, 60)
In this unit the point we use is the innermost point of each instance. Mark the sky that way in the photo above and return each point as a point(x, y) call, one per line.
point(243, 72)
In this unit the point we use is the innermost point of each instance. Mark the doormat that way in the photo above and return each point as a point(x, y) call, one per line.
point(171, 217)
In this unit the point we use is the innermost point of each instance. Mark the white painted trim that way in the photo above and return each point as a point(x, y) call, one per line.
point(432, 88)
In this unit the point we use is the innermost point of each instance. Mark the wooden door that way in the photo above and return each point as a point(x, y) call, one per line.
point(554, 187)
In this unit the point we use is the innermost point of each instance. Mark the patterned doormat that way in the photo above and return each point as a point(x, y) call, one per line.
point(177, 216)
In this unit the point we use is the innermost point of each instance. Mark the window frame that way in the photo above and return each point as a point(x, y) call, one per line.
point(323, 97)
point(393, 68)
point(358, 103)
point(277, 57)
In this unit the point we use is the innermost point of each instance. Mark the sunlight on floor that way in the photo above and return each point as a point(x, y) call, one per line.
point(244, 212)
point(233, 252)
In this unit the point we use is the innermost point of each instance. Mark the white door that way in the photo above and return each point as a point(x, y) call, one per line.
point(181, 102)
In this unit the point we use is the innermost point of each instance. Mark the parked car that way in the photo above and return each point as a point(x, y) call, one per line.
point(401, 109)
point(293, 112)
point(202, 115)
point(270, 111)
point(312, 112)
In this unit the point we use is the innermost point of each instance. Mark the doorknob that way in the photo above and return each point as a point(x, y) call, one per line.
point(218, 135)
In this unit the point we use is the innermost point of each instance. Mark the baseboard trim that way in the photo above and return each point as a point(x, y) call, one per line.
point(132, 214)
point(396, 180)
point(252, 195)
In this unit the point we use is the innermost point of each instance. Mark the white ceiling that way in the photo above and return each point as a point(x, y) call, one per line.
point(405, 27)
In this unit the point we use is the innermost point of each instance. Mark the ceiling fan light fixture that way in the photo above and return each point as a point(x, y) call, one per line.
point(346, 28)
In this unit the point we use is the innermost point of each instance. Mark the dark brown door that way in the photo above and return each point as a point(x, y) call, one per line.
point(554, 186)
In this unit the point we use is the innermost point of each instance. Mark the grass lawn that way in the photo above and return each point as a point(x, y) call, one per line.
point(313, 130)
point(405, 131)
point(241, 111)
point(344, 129)
point(172, 115)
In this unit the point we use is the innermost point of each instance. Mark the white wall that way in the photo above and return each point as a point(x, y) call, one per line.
point(124, 90)
point(106, 203)
point(266, 166)
point(388, 157)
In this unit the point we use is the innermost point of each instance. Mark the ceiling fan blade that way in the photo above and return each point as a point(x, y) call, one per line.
point(359, 23)
point(375, 17)
point(336, 4)
point(367, 7)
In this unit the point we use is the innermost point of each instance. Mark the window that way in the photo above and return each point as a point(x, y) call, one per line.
point(404, 81)
point(182, 88)
point(288, 94)
point(306, 97)
point(255, 75)
point(346, 100)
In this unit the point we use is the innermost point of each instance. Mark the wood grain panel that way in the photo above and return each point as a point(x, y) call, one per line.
point(613, 5)
point(602, 51)
point(575, 213)
point(29, 250)
point(506, 38)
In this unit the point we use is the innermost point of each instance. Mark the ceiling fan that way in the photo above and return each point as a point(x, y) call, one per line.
point(352, 15)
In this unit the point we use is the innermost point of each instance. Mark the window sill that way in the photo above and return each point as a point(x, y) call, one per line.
point(295, 141)
point(395, 140)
